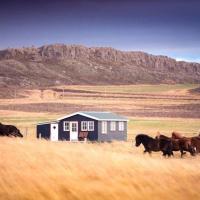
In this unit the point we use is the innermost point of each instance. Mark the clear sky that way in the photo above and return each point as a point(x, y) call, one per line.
point(167, 27)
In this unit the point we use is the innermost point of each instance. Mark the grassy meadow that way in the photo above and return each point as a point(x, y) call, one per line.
point(38, 169)
point(33, 169)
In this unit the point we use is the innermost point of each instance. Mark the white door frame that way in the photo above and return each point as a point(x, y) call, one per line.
point(54, 132)
point(73, 135)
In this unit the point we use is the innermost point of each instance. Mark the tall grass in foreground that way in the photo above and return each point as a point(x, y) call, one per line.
point(61, 170)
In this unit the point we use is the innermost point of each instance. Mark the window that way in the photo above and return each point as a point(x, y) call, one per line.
point(104, 127)
point(113, 126)
point(74, 126)
point(121, 126)
point(84, 126)
point(91, 126)
point(65, 126)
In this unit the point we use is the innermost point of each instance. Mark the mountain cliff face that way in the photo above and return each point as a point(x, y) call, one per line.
point(72, 64)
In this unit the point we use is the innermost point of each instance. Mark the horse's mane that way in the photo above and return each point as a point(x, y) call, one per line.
point(144, 135)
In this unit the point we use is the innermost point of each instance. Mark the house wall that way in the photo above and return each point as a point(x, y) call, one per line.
point(43, 131)
point(112, 135)
point(65, 135)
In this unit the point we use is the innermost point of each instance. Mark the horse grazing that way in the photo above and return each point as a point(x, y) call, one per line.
point(151, 144)
point(9, 130)
point(183, 144)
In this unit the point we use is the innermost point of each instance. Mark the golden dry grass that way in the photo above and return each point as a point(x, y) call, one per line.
point(31, 169)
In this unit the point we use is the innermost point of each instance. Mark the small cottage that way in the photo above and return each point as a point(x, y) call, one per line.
point(93, 126)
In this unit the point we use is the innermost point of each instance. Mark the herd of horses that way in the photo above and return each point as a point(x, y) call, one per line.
point(167, 145)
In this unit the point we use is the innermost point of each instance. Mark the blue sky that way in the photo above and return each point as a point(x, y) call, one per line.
point(159, 27)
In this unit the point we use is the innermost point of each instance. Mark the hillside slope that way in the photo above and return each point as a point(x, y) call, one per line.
point(73, 64)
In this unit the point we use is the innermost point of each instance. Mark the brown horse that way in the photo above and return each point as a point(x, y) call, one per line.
point(176, 135)
point(195, 141)
point(183, 144)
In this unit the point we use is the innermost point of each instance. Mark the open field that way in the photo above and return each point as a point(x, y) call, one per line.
point(150, 108)
point(189, 127)
point(61, 170)
point(32, 169)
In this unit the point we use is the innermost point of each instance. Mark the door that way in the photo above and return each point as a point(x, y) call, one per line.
point(73, 131)
point(54, 132)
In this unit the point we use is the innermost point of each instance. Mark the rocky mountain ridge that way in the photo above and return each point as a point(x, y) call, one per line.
point(75, 64)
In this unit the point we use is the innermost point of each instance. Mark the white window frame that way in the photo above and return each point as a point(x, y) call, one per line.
point(90, 125)
point(121, 126)
point(113, 125)
point(84, 127)
point(104, 127)
point(65, 126)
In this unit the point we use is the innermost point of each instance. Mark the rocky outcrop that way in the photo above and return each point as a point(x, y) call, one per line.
point(75, 64)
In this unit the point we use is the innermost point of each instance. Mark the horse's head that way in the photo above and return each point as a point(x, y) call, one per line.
point(17, 133)
point(138, 140)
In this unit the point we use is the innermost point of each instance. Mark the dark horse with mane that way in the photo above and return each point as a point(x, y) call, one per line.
point(152, 144)
point(9, 130)
point(182, 144)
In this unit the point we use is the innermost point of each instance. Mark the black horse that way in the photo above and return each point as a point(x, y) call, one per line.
point(152, 144)
point(9, 130)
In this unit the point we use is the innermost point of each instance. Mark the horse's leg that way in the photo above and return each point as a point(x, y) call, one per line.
point(192, 151)
point(164, 153)
point(182, 153)
point(146, 150)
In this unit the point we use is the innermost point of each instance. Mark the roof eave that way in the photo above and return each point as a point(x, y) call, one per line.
point(41, 123)
point(89, 116)
point(77, 113)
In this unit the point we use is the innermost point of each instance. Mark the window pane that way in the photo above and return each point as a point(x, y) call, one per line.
point(121, 126)
point(104, 127)
point(66, 126)
point(74, 127)
point(90, 126)
point(112, 126)
point(84, 126)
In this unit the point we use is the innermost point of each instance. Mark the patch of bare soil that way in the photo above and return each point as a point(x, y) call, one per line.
point(177, 111)
point(65, 91)
point(10, 93)
point(173, 111)
point(110, 95)
point(46, 107)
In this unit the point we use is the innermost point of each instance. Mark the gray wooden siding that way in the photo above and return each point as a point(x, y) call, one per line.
point(112, 135)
